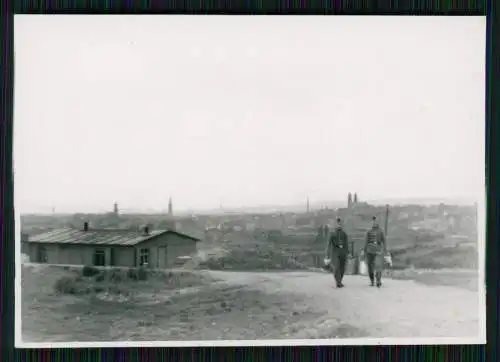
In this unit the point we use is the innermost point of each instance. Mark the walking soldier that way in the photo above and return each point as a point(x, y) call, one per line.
point(337, 250)
point(375, 250)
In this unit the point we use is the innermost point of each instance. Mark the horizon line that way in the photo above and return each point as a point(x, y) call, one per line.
point(375, 202)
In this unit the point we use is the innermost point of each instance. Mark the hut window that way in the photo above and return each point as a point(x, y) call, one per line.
point(99, 257)
point(144, 257)
point(42, 254)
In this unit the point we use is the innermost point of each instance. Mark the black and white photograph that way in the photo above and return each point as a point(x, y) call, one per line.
point(249, 180)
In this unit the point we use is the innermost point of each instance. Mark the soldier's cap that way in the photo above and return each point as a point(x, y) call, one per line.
point(339, 219)
point(374, 218)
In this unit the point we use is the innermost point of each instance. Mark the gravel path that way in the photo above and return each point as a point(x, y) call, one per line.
point(401, 308)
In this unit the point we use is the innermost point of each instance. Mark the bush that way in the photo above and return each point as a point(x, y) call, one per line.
point(137, 274)
point(69, 285)
point(99, 289)
point(90, 271)
point(116, 276)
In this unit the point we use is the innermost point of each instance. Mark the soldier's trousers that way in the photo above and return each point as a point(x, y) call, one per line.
point(338, 264)
point(374, 264)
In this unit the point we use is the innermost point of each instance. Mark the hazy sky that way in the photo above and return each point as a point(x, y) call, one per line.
point(245, 111)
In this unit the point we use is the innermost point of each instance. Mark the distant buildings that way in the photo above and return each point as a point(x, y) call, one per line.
point(352, 200)
point(214, 235)
point(250, 226)
point(270, 222)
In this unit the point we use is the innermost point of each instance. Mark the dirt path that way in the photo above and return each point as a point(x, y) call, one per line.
point(401, 308)
point(248, 306)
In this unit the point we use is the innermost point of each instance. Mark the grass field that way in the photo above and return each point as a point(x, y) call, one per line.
point(465, 279)
point(166, 306)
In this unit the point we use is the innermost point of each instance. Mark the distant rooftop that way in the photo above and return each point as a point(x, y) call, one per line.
point(101, 236)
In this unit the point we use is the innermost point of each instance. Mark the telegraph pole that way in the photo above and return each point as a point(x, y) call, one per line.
point(386, 219)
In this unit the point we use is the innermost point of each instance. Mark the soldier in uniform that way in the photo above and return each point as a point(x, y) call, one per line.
point(375, 249)
point(337, 250)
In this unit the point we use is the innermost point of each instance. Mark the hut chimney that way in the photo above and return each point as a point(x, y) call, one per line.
point(86, 226)
point(146, 229)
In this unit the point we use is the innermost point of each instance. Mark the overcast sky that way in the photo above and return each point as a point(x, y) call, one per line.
point(244, 111)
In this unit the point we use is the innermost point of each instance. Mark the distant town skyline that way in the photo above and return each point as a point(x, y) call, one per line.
point(245, 111)
point(313, 206)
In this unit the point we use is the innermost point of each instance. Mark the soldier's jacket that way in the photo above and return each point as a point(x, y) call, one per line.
point(338, 243)
point(375, 241)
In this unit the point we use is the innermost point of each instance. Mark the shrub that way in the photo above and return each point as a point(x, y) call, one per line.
point(116, 276)
point(69, 285)
point(137, 274)
point(90, 271)
point(99, 289)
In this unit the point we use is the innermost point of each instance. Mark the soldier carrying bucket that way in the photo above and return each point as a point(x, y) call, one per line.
point(337, 250)
point(375, 252)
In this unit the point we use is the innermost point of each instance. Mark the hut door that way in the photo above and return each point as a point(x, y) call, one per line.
point(162, 257)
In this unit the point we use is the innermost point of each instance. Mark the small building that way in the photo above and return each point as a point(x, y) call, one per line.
point(24, 243)
point(111, 247)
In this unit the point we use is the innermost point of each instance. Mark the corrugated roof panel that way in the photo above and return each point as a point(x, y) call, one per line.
point(94, 237)
point(112, 239)
point(99, 236)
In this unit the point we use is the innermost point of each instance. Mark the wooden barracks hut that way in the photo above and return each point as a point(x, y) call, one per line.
point(111, 247)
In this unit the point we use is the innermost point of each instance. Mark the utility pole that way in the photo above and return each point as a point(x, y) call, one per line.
point(386, 219)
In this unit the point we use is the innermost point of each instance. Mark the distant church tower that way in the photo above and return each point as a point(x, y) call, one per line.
point(349, 200)
point(355, 197)
point(170, 210)
point(115, 208)
point(307, 205)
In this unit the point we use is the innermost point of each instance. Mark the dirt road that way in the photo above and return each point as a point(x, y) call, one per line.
point(247, 306)
point(401, 308)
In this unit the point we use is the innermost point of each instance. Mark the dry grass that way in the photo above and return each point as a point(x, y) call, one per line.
point(61, 305)
point(258, 258)
point(439, 257)
point(56, 300)
point(225, 312)
point(125, 281)
point(465, 279)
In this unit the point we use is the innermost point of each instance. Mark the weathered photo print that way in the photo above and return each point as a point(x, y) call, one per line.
point(249, 180)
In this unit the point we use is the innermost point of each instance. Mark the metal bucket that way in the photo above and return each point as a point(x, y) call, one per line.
point(352, 267)
point(363, 268)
